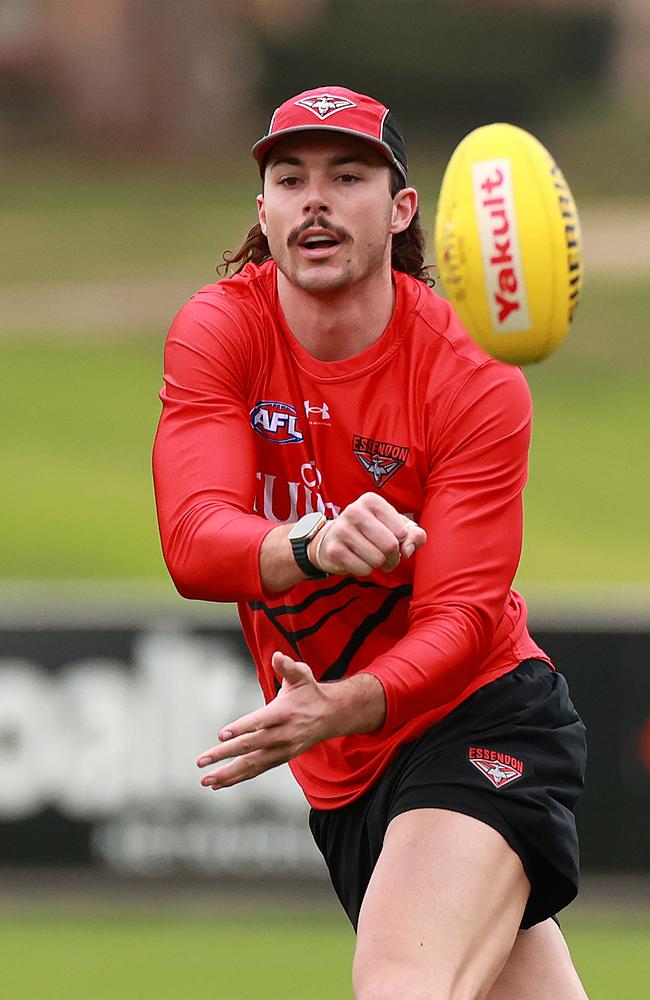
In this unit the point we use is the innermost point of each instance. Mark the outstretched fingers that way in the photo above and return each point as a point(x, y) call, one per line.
point(244, 768)
point(264, 738)
point(237, 736)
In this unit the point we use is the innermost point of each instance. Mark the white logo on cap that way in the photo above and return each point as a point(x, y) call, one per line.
point(325, 105)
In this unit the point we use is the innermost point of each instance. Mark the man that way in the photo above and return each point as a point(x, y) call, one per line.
point(337, 456)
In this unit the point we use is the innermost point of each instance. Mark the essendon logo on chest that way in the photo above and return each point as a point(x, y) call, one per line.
point(380, 459)
point(276, 422)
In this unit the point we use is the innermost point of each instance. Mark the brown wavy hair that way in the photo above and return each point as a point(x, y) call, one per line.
point(407, 250)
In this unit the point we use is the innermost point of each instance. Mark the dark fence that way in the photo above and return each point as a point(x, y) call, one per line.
point(100, 724)
point(609, 677)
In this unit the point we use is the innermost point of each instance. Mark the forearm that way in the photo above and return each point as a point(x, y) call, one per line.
point(278, 568)
point(212, 552)
point(355, 705)
point(432, 664)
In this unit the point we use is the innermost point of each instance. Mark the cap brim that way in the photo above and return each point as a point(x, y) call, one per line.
point(264, 145)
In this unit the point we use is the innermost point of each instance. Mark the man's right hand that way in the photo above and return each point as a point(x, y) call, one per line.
point(369, 534)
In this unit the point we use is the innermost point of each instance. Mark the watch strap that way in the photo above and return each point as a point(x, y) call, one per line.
point(300, 547)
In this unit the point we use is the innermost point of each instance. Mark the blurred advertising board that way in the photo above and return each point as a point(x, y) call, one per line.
point(99, 730)
point(101, 720)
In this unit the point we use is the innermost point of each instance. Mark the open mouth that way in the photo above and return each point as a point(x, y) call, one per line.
point(316, 245)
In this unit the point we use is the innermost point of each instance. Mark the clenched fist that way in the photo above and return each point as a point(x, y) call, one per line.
point(369, 534)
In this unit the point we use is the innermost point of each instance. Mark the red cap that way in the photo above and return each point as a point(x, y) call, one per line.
point(336, 109)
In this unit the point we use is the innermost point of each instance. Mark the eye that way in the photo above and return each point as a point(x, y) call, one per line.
point(289, 182)
point(349, 178)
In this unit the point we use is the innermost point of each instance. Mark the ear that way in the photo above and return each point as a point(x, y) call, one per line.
point(405, 205)
point(261, 212)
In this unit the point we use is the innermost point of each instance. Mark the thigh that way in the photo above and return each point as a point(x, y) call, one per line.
point(539, 967)
point(442, 910)
point(513, 757)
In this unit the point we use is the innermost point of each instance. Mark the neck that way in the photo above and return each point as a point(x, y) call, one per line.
point(340, 324)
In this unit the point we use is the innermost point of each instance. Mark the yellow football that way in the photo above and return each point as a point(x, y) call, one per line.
point(508, 244)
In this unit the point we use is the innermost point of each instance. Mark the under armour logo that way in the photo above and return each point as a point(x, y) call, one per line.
point(322, 411)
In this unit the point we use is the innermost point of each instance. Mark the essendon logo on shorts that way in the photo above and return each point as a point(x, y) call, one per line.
point(499, 768)
point(380, 459)
point(276, 421)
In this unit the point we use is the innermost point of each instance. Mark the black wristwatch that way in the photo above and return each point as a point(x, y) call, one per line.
point(300, 536)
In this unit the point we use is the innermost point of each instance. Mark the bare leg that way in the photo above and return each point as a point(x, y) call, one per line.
point(539, 967)
point(442, 910)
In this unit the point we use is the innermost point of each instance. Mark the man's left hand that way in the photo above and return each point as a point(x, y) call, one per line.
point(293, 722)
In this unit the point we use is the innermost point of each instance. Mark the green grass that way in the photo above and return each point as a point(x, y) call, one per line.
point(589, 488)
point(603, 147)
point(145, 958)
point(78, 497)
point(137, 956)
point(74, 225)
point(77, 225)
point(611, 955)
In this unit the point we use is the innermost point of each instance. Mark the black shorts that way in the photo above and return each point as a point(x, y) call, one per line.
point(511, 755)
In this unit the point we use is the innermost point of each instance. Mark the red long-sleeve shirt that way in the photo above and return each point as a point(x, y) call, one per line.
point(255, 432)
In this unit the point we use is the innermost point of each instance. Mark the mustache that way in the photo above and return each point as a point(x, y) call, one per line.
point(320, 222)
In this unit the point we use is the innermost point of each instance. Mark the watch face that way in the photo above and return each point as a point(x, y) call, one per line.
point(306, 526)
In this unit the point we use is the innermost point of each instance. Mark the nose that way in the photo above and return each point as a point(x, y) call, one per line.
point(315, 202)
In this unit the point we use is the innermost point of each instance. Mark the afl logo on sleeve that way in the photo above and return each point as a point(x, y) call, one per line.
point(276, 422)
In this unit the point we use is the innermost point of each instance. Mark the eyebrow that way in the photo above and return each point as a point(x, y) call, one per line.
point(336, 161)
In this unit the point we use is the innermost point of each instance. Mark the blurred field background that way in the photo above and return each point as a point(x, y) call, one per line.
point(124, 176)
